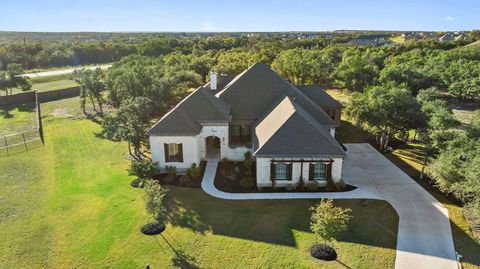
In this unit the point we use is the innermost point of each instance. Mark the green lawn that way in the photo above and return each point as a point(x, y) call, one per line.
point(51, 85)
point(69, 204)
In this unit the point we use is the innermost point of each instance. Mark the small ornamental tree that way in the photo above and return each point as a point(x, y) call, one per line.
point(327, 220)
point(154, 201)
point(142, 169)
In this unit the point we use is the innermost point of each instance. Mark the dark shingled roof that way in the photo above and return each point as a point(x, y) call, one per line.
point(253, 91)
point(288, 121)
point(319, 96)
point(200, 106)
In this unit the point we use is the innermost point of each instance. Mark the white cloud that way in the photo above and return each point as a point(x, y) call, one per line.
point(209, 26)
point(449, 18)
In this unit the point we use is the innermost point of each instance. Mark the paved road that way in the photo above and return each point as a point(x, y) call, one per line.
point(63, 71)
point(424, 234)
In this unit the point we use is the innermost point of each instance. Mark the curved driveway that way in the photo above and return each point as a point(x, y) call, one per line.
point(424, 234)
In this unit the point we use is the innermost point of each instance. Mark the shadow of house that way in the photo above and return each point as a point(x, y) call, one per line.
point(273, 221)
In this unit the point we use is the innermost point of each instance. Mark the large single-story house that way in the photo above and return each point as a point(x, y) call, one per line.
point(289, 129)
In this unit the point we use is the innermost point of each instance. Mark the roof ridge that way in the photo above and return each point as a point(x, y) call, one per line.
point(173, 109)
point(307, 98)
point(268, 114)
point(210, 99)
point(315, 124)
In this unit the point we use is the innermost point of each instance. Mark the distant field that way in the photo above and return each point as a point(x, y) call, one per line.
point(51, 83)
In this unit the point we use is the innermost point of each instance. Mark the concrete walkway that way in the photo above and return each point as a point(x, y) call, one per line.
point(424, 234)
point(208, 187)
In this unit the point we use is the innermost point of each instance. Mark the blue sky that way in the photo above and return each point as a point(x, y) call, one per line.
point(238, 15)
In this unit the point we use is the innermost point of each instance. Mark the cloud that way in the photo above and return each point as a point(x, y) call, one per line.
point(449, 18)
point(209, 26)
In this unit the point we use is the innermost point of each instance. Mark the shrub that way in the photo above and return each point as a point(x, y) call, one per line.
point(171, 170)
point(169, 179)
point(248, 163)
point(142, 169)
point(301, 184)
point(184, 180)
point(330, 185)
point(247, 182)
point(194, 171)
point(313, 186)
point(171, 174)
point(340, 185)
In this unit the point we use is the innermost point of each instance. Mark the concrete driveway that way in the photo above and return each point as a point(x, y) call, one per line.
point(424, 233)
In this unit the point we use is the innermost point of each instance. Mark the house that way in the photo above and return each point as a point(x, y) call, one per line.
point(446, 38)
point(290, 130)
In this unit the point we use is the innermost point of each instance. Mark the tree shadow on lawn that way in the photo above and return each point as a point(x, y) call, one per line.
point(273, 221)
point(6, 111)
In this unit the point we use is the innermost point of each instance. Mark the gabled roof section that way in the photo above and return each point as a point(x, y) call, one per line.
point(185, 118)
point(290, 131)
point(319, 96)
point(253, 91)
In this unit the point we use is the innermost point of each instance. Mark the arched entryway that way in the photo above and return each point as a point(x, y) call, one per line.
point(212, 144)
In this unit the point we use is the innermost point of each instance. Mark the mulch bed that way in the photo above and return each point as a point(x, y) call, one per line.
point(153, 228)
point(194, 182)
point(323, 252)
point(226, 184)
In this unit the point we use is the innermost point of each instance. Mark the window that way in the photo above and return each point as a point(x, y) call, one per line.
point(240, 134)
point(173, 152)
point(281, 171)
point(319, 171)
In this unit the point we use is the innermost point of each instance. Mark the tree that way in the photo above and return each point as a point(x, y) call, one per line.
point(355, 72)
point(327, 220)
point(91, 86)
point(11, 78)
point(154, 201)
point(142, 169)
point(130, 123)
point(385, 112)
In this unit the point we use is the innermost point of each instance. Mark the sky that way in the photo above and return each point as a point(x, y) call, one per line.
point(237, 15)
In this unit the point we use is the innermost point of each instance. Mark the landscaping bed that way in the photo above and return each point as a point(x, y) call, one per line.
point(229, 175)
point(194, 182)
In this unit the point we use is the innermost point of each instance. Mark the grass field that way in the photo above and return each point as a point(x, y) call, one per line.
point(69, 204)
point(51, 85)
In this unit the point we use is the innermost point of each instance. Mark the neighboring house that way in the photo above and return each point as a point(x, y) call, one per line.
point(290, 130)
point(446, 38)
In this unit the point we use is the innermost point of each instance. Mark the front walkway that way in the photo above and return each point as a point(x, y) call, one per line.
point(208, 187)
point(424, 233)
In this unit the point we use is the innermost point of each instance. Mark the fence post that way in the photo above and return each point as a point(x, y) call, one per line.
point(24, 143)
point(6, 144)
point(39, 116)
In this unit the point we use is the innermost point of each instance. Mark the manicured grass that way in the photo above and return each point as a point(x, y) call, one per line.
point(14, 119)
point(51, 85)
point(69, 204)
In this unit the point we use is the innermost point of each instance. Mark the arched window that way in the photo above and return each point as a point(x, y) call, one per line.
point(319, 171)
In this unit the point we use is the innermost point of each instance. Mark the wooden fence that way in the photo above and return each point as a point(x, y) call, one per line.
point(27, 97)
